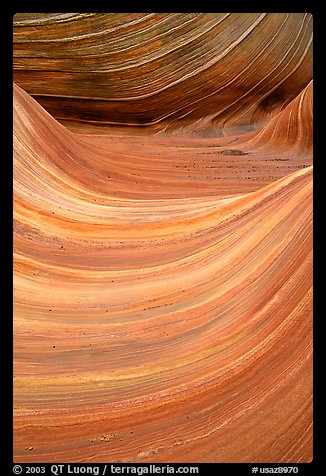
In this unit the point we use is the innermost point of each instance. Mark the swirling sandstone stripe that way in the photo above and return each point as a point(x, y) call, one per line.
point(159, 68)
point(163, 272)
point(157, 330)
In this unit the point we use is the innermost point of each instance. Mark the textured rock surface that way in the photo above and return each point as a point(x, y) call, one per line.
point(209, 71)
point(163, 253)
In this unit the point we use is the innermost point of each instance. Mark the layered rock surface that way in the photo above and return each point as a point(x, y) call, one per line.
point(163, 237)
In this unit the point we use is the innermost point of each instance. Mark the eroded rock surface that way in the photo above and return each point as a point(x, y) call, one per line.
point(163, 237)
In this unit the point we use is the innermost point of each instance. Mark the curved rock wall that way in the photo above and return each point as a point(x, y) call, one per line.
point(163, 239)
point(214, 71)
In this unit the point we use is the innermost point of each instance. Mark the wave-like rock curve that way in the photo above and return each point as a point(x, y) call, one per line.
point(214, 71)
point(163, 283)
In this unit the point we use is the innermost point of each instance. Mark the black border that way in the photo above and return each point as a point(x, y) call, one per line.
point(6, 78)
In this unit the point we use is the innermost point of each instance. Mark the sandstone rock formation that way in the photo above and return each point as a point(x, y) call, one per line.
point(163, 237)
